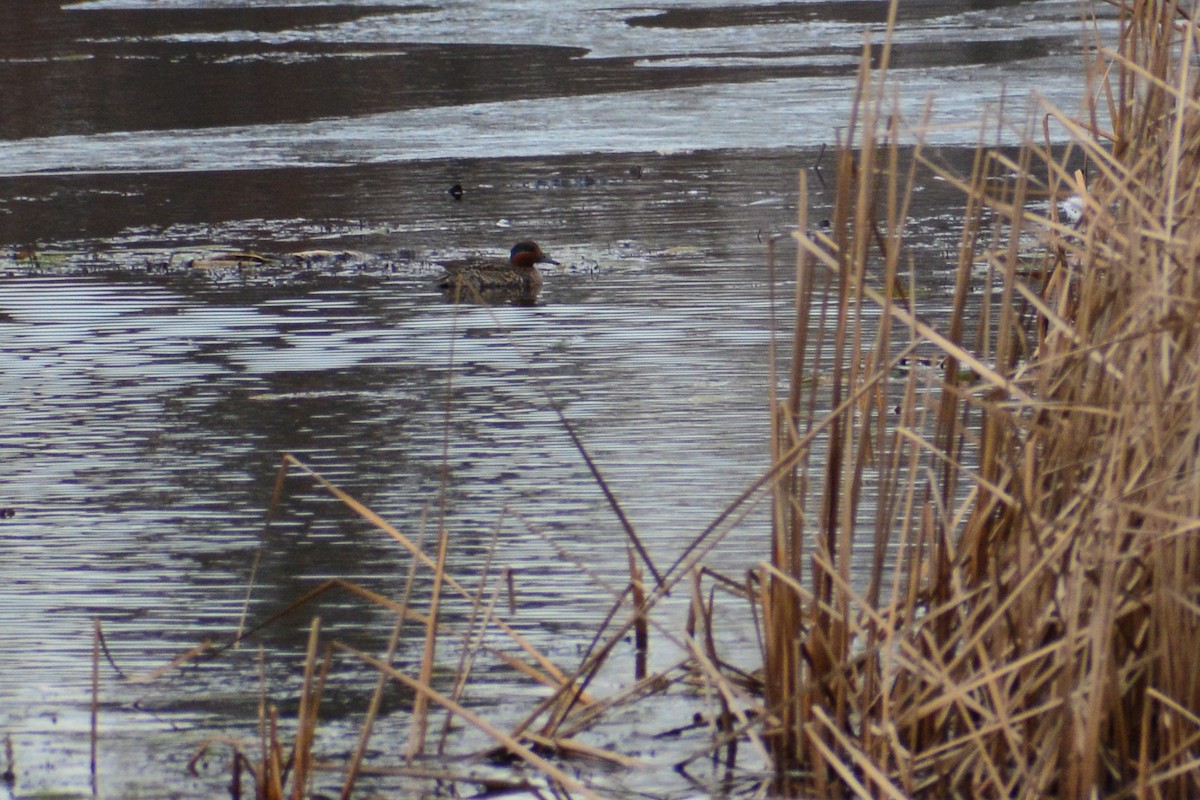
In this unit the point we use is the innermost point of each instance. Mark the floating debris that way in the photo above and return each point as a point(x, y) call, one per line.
point(229, 260)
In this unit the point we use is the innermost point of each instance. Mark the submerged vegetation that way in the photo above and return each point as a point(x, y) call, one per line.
point(1028, 507)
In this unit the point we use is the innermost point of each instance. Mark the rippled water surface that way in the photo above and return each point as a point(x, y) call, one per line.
point(145, 402)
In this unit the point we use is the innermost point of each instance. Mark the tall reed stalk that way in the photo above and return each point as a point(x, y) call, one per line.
point(1035, 628)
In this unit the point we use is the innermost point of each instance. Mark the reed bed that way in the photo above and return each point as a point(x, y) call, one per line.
point(1035, 631)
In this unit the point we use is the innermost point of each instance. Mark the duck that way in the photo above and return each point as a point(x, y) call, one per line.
point(487, 280)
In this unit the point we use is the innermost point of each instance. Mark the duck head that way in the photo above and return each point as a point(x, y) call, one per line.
point(527, 253)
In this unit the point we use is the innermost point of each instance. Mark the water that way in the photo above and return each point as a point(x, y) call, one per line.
point(144, 404)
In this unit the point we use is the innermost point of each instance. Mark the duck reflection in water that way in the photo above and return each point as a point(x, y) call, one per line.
point(480, 280)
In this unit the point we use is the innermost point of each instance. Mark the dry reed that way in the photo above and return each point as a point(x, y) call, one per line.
point(1035, 633)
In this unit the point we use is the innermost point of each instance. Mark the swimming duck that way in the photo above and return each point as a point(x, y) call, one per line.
point(489, 281)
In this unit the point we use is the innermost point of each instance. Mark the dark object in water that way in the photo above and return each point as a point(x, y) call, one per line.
point(514, 281)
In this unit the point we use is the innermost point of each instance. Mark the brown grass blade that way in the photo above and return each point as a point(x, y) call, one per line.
point(510, 744)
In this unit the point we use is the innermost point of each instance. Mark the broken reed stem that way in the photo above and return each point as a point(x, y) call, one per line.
point(306, 718)
point(594, 709)
point(262, 719)
point(510, 583)
point(381, 682)
point(94, 740)
point(420, 555)
point(420, 721)
point(235, 777)
point(555, 406)
point(9, 776)
point(478, 620)
point(572, 690)
point(278, 766)
point(509, 743)
point(473, 637)
point(641, 628)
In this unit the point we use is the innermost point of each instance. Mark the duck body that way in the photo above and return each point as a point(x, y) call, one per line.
point(490, 281)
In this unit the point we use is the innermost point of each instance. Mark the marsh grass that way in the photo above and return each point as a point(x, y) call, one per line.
point(1026, 622)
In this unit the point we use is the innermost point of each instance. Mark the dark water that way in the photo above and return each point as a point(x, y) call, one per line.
point(145, 403)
